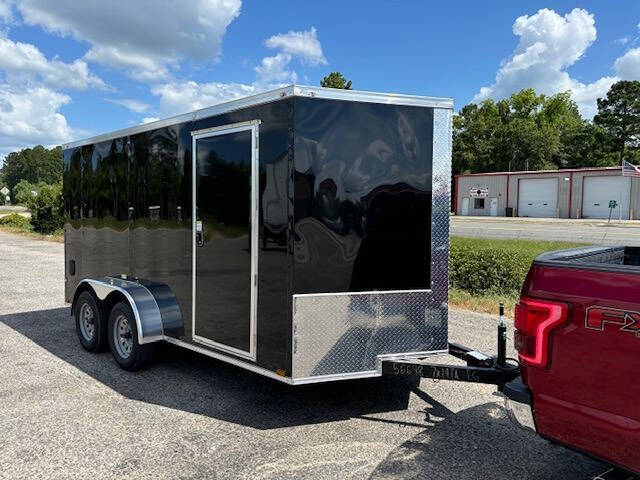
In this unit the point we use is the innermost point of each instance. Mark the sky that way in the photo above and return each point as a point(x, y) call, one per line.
point(70, 69)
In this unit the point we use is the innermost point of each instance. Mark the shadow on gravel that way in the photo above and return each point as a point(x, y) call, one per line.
point(184, 380)
point(481, 443)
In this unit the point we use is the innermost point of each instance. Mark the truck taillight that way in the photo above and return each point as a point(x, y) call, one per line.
point(534, 320)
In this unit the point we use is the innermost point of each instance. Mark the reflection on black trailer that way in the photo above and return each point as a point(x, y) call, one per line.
point(300, 233)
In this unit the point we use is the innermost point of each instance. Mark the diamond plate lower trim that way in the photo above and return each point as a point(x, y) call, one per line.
point(339, 334)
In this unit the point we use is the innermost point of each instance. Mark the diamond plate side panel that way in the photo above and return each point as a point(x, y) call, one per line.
point(342, 333)
point(441, 206)
point(337, 334)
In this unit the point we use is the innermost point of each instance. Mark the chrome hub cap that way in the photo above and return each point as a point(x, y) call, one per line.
point(122, 336)
point(87, 322)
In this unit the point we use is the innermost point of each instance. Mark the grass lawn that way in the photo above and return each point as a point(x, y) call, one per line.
point(486, 303)
point(532, 248)
point(57, 236)
point(498, 258)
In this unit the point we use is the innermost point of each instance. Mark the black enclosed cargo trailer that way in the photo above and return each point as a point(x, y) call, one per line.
point(302, 233)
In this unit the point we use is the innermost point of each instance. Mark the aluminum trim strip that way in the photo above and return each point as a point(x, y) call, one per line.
point(400, 356)
point(221, 346)
point(193, 235)
point(233, 361)
point(271, 96)
point(336, 377)
point(228, 128)
point(253, 127)
point(372, 97)
point(371, 292)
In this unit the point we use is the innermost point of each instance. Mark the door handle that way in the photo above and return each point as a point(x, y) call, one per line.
point(199, 234)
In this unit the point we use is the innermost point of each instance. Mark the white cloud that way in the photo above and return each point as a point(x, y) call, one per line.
point(145, 43)
point(29, 116)
point(6, 14)
point(548, 45)
point(23, 61)
point(304, 45)
point(272, 70)
point(186, 96)
point(586, 95)
point(149, 120)
point(132, 104)
point(621, 41)
point(628, 66)
point(137, 66)
point(29, 103)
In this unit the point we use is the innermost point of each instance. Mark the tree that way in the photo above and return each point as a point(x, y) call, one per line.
point(22, 192)
point(619, 116)
point(47, 209)
point(335, 80)
point(587, 146)
point(35, 165)
point(526, 131)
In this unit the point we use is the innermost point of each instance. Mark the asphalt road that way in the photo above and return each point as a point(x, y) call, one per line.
point(66, 413)
point(595, 232)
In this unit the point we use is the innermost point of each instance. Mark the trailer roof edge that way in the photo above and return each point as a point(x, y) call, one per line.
point(270, 96)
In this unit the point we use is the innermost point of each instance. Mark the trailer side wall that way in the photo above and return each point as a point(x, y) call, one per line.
point(129, 210)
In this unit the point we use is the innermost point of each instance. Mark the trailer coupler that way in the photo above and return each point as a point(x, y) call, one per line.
point(480, 368)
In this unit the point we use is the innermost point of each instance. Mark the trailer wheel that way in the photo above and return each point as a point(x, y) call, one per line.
point(91, 324)
point(123, 339)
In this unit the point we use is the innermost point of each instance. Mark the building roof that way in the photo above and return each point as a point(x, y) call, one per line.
point(531, 172)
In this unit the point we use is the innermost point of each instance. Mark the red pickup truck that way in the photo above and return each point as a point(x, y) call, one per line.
point(578, 342)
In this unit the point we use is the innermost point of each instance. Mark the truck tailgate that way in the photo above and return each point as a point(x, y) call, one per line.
point(587, 395)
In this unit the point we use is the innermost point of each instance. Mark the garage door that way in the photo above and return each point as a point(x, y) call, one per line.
point(537, 197)
point(597, 193)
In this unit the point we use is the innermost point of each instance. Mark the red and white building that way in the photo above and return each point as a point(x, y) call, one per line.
point(574, 193)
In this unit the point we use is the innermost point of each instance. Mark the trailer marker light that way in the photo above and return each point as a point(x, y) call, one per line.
point(534, 321)
point(281, 372)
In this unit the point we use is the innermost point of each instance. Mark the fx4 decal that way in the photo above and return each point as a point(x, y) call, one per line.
point(629, 321)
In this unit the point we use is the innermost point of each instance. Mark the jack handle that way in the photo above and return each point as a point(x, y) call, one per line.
point(502, 340)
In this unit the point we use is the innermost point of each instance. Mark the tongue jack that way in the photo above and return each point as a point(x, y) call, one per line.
point(502, 339)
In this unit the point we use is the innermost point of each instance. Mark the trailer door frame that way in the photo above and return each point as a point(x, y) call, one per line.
point(253, 127)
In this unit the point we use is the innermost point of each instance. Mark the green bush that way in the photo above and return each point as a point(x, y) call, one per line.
point(15, 220)
point(47, 212)
point(485, 266)
point(22, 192)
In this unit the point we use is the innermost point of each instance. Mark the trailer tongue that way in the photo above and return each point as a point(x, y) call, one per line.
point(479, 368)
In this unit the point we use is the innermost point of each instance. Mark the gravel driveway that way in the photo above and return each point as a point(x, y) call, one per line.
point(66, 413)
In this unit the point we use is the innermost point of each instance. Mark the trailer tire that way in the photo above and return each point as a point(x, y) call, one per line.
point(91, 324)
point(123, 339)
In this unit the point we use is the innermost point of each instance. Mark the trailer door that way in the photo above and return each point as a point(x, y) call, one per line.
point(225, 246)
